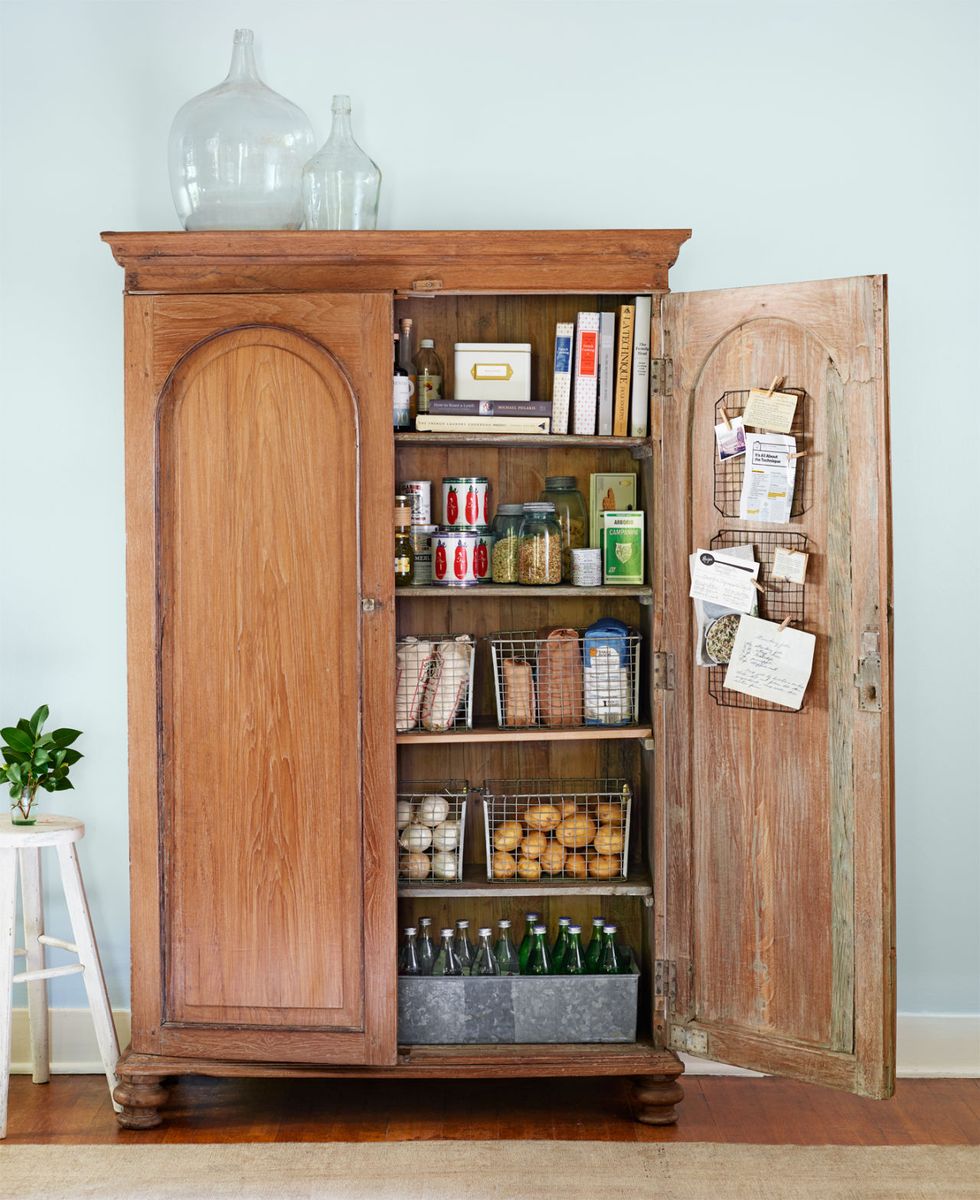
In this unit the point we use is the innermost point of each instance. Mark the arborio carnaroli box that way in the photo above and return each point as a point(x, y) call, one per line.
point(621, 542)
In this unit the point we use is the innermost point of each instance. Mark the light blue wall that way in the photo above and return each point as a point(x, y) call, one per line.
point(799, 140)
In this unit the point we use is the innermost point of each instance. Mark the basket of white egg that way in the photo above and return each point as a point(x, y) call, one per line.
point(431, 826)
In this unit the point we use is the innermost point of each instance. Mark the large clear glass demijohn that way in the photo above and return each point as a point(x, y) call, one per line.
point(237, 152)
point(341, 184)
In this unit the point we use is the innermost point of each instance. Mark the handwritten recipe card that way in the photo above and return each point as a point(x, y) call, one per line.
point(771, 663)
point(770, 410)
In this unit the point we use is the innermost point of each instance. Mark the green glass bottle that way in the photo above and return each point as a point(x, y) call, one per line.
point(539, 962)
point(524, 953)
point(593, 955)
point(505, 951)
point(610, 964)
point(561, 944)
point(573, 962)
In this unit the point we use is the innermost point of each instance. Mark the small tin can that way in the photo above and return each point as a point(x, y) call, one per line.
point(465, 501)
point(419, 492)
point(454, 557)
point(421, 537)
point(483, 554)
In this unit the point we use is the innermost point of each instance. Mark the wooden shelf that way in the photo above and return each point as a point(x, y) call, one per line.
point(538, 441)
point(517, 589)
point(492, 733)
point(476, 885)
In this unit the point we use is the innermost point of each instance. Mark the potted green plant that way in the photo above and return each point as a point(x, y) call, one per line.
point(34, 759)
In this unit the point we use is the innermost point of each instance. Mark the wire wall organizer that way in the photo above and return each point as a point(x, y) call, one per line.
point(781, 600)
point(730, 473)
point(431, 828)
point(566, 678)
point(557, 829)
point(434, 682)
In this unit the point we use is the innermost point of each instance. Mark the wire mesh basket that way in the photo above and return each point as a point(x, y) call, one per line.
point(431, 824)
point(557, 829)
point(567, 677)
point(434, 682)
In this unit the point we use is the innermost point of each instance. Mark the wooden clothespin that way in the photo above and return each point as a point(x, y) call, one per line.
point(785, 622)
point(758, 586)
point(798, 454)
point(725, 417)
point(777, 382)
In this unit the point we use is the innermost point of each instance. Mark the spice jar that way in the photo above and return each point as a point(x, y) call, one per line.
point(572, 514)
point(506, 529)
point(539, 552)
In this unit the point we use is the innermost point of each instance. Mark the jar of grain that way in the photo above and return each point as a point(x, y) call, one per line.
point(573, 516)
point(506, 530)
point(539, 549)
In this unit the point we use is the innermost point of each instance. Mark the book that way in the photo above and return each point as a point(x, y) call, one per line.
point(624, 371)
point(607, 361)
point(640, 387)
point(454, 423)
point(491, 408)
point(586, 372)
point(562, 389)
point(608, 492)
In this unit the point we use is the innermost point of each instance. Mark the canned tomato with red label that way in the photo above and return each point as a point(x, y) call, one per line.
point(465, 500)
point(454, 557)
point(483, 554)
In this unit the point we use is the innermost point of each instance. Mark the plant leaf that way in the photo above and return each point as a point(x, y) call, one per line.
point(18, 739)
point(71, 757)
point(63, 785)
point(65, 737)
point(39, 718)
point(15, 791)
point(41, 757)
point(24, 724)
point(14, 772)
point(11, 756)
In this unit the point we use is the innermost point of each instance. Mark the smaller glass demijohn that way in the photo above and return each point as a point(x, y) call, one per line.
point(340, 183)
point(237, 152)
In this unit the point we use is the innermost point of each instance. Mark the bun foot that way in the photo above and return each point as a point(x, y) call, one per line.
point(655, 1097)
point(141, 1099)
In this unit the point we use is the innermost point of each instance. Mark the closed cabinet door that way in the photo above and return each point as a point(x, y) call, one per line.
point(261, 593)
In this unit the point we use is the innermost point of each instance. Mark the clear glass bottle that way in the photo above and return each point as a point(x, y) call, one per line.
point(428, 375)
point(236, 152)
point(573, 516)
point(505, 951)
point(539, 962)
point(427, 950)
point(539, 552)
point(593, 955)
point(463, 946)
point(531, 919)
point(341, 184)
point(404, 554)
point(408, 959)
point(484, 961)
point(573, 962)
point(561, 943)
point(506, 531)
point(447, 962)
point(611, 963)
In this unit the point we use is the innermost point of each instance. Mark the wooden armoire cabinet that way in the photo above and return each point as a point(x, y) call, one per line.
point(262, 619)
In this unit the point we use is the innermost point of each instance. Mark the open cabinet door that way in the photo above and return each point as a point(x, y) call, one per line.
point(775, 913)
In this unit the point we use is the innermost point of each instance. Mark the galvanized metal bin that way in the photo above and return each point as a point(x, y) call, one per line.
point(434, 1010)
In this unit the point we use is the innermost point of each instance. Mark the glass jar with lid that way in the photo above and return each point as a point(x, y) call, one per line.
point(506, 530)
point(539, 551)
point(573, 516)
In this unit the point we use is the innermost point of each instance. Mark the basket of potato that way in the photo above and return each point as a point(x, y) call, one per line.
point(557, 829)
point(431, 821)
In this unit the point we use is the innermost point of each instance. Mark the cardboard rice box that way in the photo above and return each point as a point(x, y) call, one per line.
point(621, 535)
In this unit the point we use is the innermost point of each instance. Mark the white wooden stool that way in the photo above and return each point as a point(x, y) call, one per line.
point(26, 842)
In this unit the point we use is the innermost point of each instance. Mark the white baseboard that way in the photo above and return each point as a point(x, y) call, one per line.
point(930, 1045)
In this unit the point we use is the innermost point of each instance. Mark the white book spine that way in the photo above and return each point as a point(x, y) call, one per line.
point(561, 392)
point(607, 371)
point(586, 371)
point(640, 397)
point(449, 423)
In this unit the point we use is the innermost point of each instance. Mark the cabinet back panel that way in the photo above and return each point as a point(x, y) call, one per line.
point(260, 671)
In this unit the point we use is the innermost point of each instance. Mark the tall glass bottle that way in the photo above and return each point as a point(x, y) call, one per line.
point(593, 955)
point(573, 962)
point(505, 951)
point(401, 394)
point(428, 375)
point(427, 950)
point(561, 943)
point(236, 152)
point(463, 946)
point(485, 961)
point(524, 953)
point(539, 962)
point(341, 184)
point(447, 962)
point(406, 358)
point(408, 959)
point(611, 963)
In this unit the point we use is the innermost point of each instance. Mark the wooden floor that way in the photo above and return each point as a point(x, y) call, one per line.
point(76, 1108)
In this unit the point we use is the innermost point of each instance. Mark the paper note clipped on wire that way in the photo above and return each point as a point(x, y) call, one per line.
point(769, 479)
point(789, 565)
point(770, 410)
point(771, 663)
point(724, 579)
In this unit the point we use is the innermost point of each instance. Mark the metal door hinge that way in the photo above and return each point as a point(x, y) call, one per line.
point(689, 1041)
point(868, 677)
point(665, 981)
point(370, 604)
point(663, 670)
point(662, 376)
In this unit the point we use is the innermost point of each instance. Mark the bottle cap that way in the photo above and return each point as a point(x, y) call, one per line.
point(532, 916)
point(575, 929)
point(539, 507)
point(411, 929)
point(564, 920)
point(425, 920)
point(609, 928)
point(447, 933)
point(504, 924)
point(510, 510)
point(541, 929)
point(427, 343)
point(405, 322)
point(485, 932)
point(462, 924)
point(598, 920)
